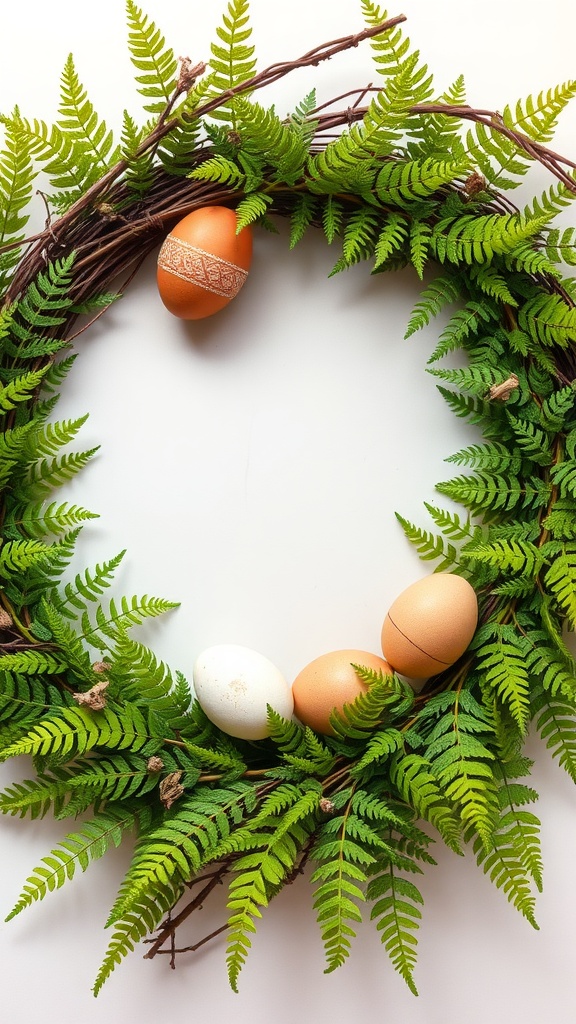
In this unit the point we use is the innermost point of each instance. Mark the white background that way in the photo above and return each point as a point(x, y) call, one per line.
point(252, 465)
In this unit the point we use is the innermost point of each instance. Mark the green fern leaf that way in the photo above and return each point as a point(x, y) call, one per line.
point(232, 59)
point(139, 173)
point(74, 731)
point(77, 850)
point(460, 760)
point(149, 54)
point(429, 546)
point(535, 117)
point(561, 580)
point(16, 556)
point(332, 217)
point(142, 919)
point(549, 320)
point(502, 666)
point(439, 293)
point(397, 911)
point(556, 723)
point(392, 238)
point(87, 586)
point(40, 520)
point(477, 238)
point(17, 174)
point(22, 389)
point(419, 788)
point(33, 662)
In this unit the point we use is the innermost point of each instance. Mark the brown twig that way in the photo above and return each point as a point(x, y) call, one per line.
point(168, 929)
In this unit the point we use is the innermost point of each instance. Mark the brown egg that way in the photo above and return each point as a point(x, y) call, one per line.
point(430, 625)
point(203, 263)
point(329, 682)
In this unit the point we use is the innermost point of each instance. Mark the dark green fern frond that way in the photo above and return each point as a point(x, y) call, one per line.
point(419, 788)
point(140, 171)
point(397, 911)
point(144, 680)
point(457, 731)
point(502, 667)
point(556, 722)
point(173, 851)
point(561, 580)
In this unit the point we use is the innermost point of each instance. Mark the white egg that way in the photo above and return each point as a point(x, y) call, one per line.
point(234, 684)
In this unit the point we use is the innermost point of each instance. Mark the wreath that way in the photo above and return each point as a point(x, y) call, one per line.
point(400, 176)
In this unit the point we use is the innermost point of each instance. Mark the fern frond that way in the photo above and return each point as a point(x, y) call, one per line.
point(152, 58)
point(17, 174)
point(87, 587)
point(392, 238)
point(386, 696)
point(397, 911)
point(549, 320)
point(41, 520)
point(561, 580)
point(419, 788)
point(502, 666)
point(440, 292)
point(429, 546)
point(490, 493)
point(460, 759)
point(477, 238)
point(140, 170)
point(232, 59)
point(22, 389)
point(78, 850)
point(556, 722)
point(74, 731)
point(535, 117)
point(145, 916)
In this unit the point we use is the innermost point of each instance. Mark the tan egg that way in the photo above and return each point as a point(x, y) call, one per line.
point(203, 263)
point(329, 682)
point(430, 625)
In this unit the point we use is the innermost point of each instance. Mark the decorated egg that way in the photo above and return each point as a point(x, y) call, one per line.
point(234, 684)
point(328, 683)
point(430, 625)
point(203, 262)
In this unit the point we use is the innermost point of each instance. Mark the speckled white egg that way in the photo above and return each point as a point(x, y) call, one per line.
point(234, 684)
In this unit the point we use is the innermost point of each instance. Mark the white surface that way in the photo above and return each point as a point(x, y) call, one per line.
point(252, 464)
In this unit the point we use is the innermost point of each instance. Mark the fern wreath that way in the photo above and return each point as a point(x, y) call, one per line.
point(402, 177)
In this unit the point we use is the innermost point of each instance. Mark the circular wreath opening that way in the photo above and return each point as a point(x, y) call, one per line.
point(400, 183)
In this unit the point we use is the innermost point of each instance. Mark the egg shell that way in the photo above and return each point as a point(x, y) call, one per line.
point(234, 684)
point(328, 683)
point(203, 263)
point(429, 625)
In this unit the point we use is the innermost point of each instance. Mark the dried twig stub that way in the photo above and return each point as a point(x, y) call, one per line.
point(501, 392)
point(95, 698)
point(170, 789)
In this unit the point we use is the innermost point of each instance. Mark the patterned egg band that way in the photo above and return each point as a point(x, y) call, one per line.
point(202, 268)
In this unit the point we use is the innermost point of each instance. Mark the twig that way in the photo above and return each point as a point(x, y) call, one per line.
point(168, 929)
